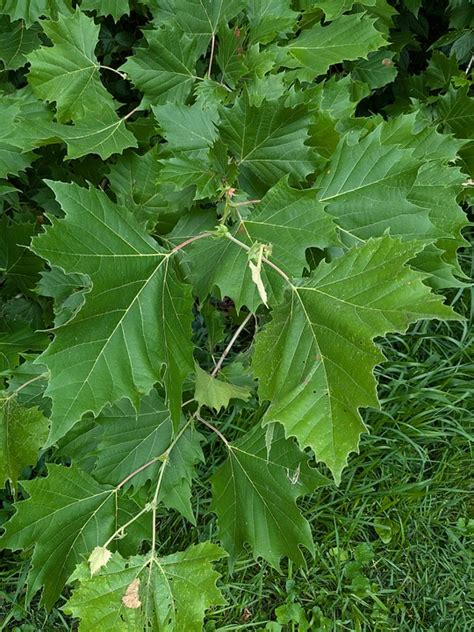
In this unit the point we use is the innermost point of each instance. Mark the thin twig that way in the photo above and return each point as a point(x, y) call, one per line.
point(123, 75)
point(189, 241)
point(237, 333)
point(137, 471)
point(471, 61)
point(214, 429)
point(24, 385)
point(127, 116)
point(211, 57)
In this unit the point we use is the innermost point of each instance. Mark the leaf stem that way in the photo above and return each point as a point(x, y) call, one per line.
point(264, 259)
point(20, 388)
point(123, 75)
point(214, 429)
point(189, 241)
point(211, 56)
point(237, 333)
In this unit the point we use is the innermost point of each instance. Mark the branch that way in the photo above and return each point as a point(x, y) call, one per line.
point(218, 366)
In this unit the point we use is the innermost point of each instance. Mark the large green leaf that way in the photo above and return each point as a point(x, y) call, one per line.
point(305, 358)
point(254, 496)
point(67, 515)
point(164, 70)
point(267, 142)
point(68, 72)
point(348, 37)
point(158, 593)
point(23, 431)
point(136, 306)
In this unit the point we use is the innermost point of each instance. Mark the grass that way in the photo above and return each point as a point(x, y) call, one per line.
point(392, 542)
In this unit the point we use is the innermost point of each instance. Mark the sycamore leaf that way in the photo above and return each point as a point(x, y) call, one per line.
point(16, 41)
point(13, 160)
point(333, 8)
point(158, 593)
point(66, 516)
point(254, 496)
point(327, 327)
point(115, 8)
point(164, 70)
point(187, 128)
point(201, 18)
point(267, 142)
point(267, 18)
point(216, 394)
point(100, 132)
point(68, 71)
point(290, 220)
point(136, 304)
point(348, 37)
point(23, 432)
point(377, 70)
point(366, 187)
point(31, 10)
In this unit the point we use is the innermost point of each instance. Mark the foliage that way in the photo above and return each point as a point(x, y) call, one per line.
point(209, 211)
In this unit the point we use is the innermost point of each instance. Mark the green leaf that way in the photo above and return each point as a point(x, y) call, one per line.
point(158, 593)
point(202, 17)
point(67, 515)
point(334, 8)
point(366, 187)
point(13, 160)
point(23, 431)
point(254, 496)
point(99, 132)
point(348, 37)
point(215, 393)
point(377, 70)
point(268, 18)
point(324, 329)
point(164, 70)
point(68, 72)
point(267, 142)
point(187, 128)
point(115, 8)
point(136, 304)
point(16, 41)
point(31, 10)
